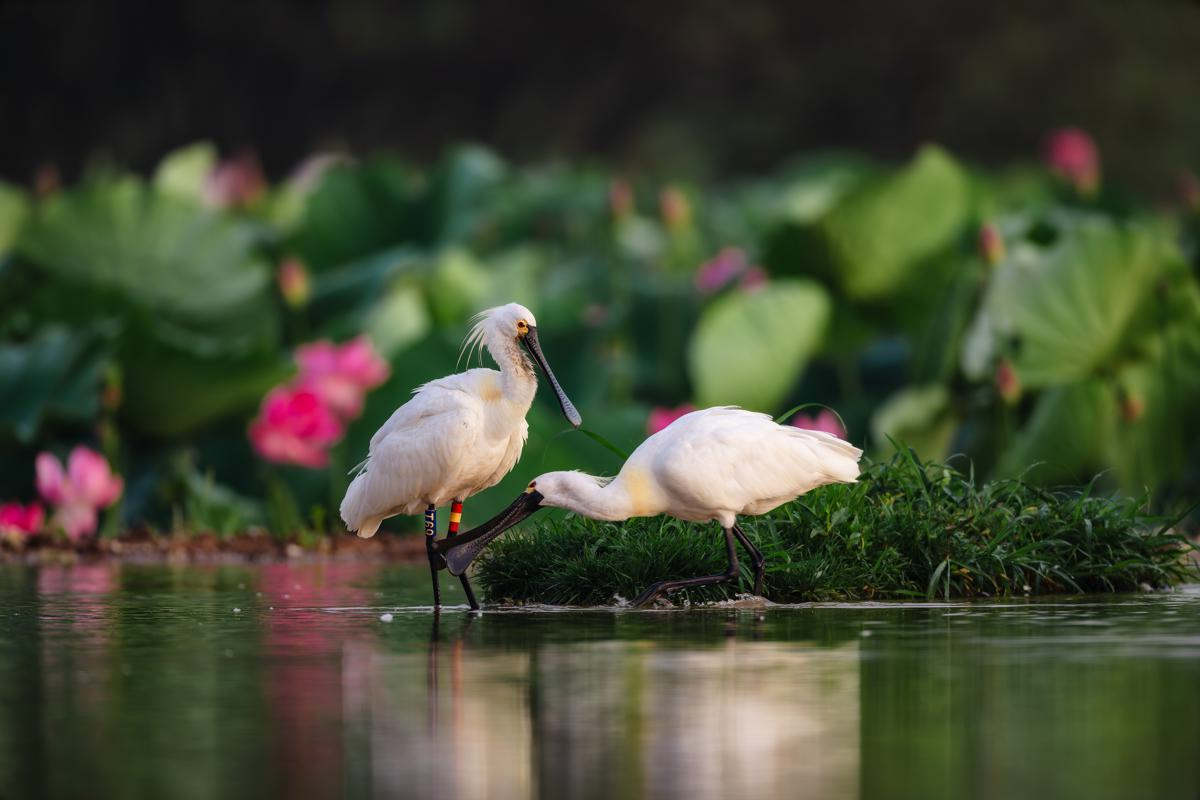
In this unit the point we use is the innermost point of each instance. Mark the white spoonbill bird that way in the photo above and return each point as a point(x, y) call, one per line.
point(457, 436)
point(714, 464)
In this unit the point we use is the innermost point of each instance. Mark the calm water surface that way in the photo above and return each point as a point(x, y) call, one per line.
point(283, 681)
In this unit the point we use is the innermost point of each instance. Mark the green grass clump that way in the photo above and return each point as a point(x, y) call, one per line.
point(905, 530)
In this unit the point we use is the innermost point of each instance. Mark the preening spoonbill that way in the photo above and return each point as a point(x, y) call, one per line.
point(457, 436)
point(713, 464)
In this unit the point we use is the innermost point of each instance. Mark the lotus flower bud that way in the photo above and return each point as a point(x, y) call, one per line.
point(293, 281)
point(1072, 155)
point(1008, 384)
point(722, 268)
point(112, 393)
point(675, 208)
point(237, 182)
point(620, 198)
point(991, 244)
point(753, 279)
point(1133, 405)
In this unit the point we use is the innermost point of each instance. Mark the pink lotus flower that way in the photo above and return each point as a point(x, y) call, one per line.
point(1072, 155)
point(235, 182)
point(341, 375)
point(18, 522)
point(293, 281)
point(720, 269)
point(825, 420)
point(87, 485)
point(295, 426)
point(991, 244)
point(660, 416)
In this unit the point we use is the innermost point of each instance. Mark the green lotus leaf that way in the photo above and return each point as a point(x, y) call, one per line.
point(398, 319)
point(57, 373)
point(810, 188)
point(879, 234)
point(14, 209)
point(789, 211)
point(918, 417)
point(359, 209)
point(460, 190)
point(169, 270)
point(1159, 419)
point(344, 297)
point(171, 394)
point(1064, 311)
point(182, 173)
point(749, 348)
point(1065, 436)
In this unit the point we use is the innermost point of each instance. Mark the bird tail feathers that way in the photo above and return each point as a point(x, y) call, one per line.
point(839, 458)
point(353, 514)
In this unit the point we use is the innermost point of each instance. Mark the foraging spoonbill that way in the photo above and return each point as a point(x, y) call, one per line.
point(457, 436)
point(714, 464)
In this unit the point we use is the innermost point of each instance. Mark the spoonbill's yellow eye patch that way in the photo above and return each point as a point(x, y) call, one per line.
point(522, 327)
point(532, 487)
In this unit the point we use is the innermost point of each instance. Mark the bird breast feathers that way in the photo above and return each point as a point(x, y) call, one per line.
point(450, 430)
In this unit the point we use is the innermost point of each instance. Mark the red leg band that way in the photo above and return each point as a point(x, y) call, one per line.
point(455, 517)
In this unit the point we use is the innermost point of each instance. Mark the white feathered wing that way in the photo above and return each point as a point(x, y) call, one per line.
point(742, 462)
point(414, 455)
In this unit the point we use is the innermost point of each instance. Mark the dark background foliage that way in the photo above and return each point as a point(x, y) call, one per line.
point(701, 88)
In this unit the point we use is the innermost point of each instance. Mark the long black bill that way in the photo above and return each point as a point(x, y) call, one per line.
point(530, 340)
point(460, 551)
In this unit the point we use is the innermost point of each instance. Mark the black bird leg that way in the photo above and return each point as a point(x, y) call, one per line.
point(434, 558)
point(756, 557)
point(451, 532)
point(431, 677)
point(730, 574)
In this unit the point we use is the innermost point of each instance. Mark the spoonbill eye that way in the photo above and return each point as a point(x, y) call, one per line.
point(522, 327)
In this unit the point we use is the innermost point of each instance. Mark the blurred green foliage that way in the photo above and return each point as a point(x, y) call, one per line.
point(149, 304)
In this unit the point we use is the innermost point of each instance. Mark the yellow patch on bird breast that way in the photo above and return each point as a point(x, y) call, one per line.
point(489, 389)
point(641, 492)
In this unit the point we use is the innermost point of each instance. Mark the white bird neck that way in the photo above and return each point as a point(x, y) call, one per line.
point(518, 381)
point(582, 494)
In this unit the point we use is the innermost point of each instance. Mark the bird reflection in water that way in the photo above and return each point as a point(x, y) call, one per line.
point(513, 708)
